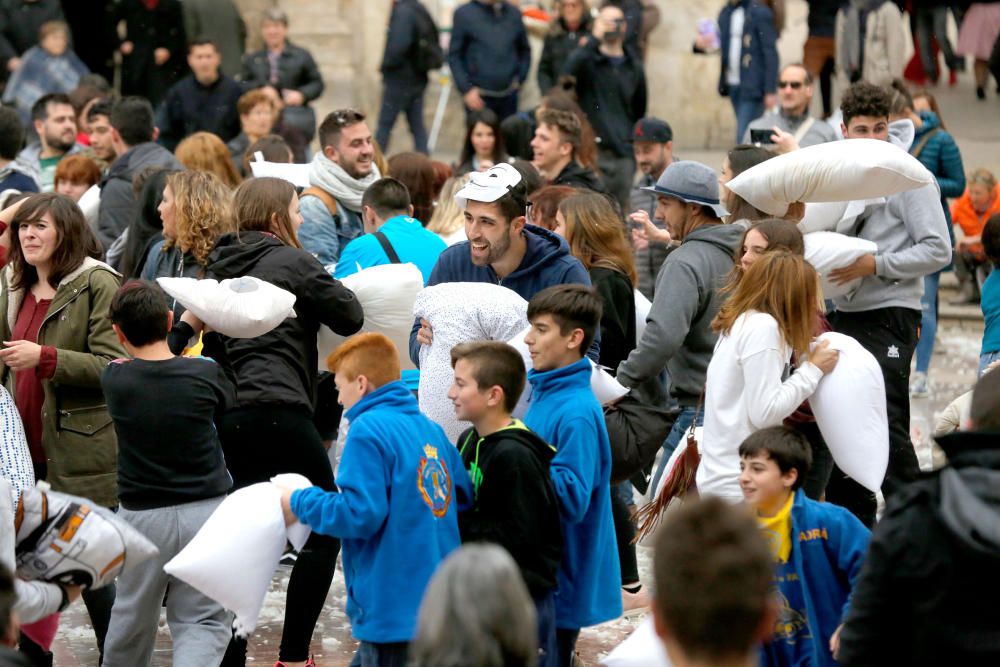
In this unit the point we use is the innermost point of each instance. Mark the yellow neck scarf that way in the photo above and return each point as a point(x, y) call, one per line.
point(778, 530)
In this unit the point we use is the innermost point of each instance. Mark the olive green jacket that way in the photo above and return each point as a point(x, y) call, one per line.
point(77, 433)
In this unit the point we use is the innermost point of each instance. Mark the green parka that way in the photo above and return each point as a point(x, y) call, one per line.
point(77, 433)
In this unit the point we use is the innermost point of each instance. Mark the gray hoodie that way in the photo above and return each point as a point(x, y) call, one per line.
point(678, 332)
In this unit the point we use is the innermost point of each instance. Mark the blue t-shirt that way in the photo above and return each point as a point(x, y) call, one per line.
point(408, 238)
point(791, 644)
point(990, 303)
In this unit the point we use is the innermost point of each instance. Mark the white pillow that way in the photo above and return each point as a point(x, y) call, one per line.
point(244, 307)
point(642, 648)
point(642, 307)
point(830, 172)
point(460, 313)
point(828, 251)
point(71, 540)
point(386, 293)
point(604, 385)
point(15, 457)
point(90, 203)
point(849, 405)
point(233, 556)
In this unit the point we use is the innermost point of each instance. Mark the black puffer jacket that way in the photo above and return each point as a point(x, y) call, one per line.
point(559, 43)
point(575, 175)
point(280, 367)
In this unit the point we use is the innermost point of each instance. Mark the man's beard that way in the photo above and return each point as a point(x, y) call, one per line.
point(495, 253)
point(57, 143)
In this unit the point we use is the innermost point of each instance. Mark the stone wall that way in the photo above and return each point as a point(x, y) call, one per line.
point(347, 38)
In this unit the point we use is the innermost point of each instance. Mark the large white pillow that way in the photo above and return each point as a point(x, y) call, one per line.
point(233, 556)
point(855, 169)
point(849, 405)
point(604, 385)
point(642, 648)
point(386, 293)
point(460, 313)
point(828, 216)
point(828, 251)
point(70, 540)
point(244, 307)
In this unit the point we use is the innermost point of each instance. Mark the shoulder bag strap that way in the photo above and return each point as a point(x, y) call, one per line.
point(923, 142)
point(390, 252)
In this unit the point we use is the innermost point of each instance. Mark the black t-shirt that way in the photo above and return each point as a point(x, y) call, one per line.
point(164, 413)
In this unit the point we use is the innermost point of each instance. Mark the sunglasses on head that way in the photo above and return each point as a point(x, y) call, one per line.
point(794, 85)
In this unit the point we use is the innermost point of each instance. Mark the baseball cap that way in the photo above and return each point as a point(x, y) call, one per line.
point(488, 186)
point(652, 129)
point(690, 182)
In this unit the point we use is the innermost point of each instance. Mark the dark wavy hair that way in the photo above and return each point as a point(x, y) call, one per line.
point(491, 120)
point(74, 239)
point(146, 227)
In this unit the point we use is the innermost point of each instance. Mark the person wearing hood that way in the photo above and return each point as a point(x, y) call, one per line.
point(678, 334)
point(271, 428)
point(502, 249)
point(133, 134)
point(936, 150)
point(933, 559)
point(557, 140)
point(568, 30)
point(514, 503)
point(871, 43)
point(338, 177)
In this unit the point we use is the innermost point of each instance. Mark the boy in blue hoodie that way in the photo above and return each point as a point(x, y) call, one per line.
point(818, 548)
point(565, 413)
point(402, 484)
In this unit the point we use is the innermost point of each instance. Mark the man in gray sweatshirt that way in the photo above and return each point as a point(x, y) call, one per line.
point(678, 333)
point(883, 313)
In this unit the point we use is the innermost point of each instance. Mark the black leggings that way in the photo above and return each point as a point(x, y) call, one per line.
point(261, 442)
point(624, 534)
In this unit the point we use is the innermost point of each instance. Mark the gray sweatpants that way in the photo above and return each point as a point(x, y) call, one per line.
point(200, 627)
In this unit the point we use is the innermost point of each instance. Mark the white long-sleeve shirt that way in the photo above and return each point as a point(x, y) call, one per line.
point(744, 393)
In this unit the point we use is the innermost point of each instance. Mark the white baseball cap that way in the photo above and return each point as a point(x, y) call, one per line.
point(488, 186)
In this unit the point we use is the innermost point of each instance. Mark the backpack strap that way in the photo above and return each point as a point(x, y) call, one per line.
point(923, 142)
point(328, 201)
point(390, 252)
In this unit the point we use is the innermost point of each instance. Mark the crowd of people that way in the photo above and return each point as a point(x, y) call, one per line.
point(499, 547)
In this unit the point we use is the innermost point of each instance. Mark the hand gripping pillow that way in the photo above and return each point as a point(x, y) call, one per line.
point(244, 307)
point(386, 293)
point(830, 172)
point(70, 540)
point(827, 251)
point(642, 306)
point(234, 555)
point(604, 385)
point(642, 648)
point(460, 313)
point(849, 406)
point(15, 459)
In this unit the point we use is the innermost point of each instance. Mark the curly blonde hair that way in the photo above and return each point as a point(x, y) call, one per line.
point(206, 152)
point(202, 210)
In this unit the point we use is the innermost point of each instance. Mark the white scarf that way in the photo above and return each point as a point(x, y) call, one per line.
point(327, 175)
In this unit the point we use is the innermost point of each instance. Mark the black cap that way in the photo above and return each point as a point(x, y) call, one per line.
point(652, 129)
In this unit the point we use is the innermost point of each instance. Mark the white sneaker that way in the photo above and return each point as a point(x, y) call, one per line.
point(634, 604)
point(919, 387)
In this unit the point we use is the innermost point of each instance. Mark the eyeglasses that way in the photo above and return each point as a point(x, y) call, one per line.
point(794, 85)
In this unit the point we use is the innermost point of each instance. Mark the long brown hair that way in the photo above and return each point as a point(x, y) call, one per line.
point(779, 234)
point(204, 151)
point(201, 211)
point(261, 205)
point(416, 172)
point(783, 285)
point(596, 234)
point(74, 239)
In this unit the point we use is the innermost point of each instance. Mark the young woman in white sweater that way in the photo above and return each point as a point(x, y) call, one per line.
point(770, 314)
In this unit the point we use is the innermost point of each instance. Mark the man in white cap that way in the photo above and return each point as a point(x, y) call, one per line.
point(502, 249)
point(678, 333)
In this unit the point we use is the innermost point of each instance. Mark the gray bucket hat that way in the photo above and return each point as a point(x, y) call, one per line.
point(690, 182)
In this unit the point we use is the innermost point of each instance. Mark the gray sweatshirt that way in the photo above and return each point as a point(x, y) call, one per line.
point(912, 238)
point(678, 332)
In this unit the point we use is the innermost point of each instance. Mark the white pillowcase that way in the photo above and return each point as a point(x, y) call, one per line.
point(244, 307)
point(828, 251)
point(854, 169)
point(386, 294)
point(849, 406)
point(642, 648)
point(642, 307)
point(233, 556)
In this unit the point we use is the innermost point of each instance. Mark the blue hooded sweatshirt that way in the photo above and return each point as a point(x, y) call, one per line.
point(547, 262)
point(414, 245)
point(565, 413)
point(828, 548)
point(402, 484)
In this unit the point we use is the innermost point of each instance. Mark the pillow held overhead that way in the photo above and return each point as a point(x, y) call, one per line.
point(835, 171)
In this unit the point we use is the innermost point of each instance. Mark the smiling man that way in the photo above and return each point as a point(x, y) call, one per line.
point(55, 124)
point(502, 249)
point(795, 93)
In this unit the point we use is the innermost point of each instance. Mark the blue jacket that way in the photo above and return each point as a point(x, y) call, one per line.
point(829, 547)
point(565, 413)
point(489, 47)
point(402, 484)
point(759, 54)
point(546, 262)
point(323, 235)
point(941, 157)
point(399, 66)
point(408, 238)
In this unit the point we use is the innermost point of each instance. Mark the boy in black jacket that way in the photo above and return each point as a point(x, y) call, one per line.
point(515, 505)
point(171, 476)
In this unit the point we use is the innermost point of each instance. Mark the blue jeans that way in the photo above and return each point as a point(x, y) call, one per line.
point(747, 110)
point(928, 321)
point(548, 646)
point(412, 103)
point(987, 359)
point(677, 432)
point(370, 654)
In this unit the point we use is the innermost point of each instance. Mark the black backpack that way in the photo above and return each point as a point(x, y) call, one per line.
point(428, 54)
